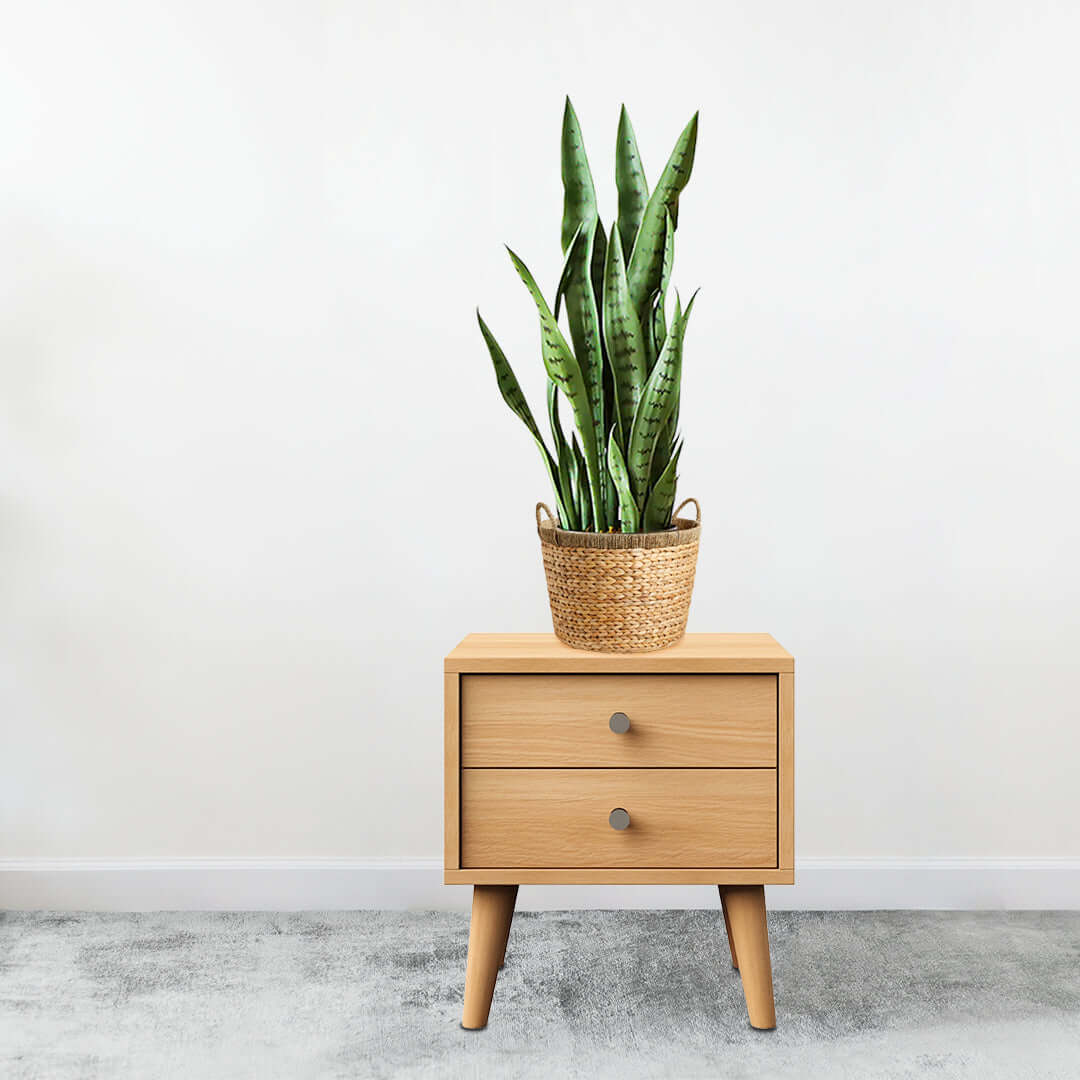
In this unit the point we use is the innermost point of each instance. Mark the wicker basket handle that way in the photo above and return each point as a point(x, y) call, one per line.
point(697, 507)
point(547, 510)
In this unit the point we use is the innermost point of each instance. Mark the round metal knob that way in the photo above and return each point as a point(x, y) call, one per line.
point(619, 818)
point(619, 723)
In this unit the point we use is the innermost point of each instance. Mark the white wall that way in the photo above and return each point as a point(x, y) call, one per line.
point(257, 477)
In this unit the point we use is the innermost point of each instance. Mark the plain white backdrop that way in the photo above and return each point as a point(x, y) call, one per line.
point(257, 478)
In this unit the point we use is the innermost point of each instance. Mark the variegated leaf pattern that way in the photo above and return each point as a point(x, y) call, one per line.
point(562, 368)
point(656, 405)
point(625, 345)
point(620, 364)
point(599, 252)
point(630, 181)
point(564, 275)
point(629, 518)
point(584, 322)
point(659, 321)
point(652, 346)
point(646, 260)
point(510, 389)
point(652, 413)
point(673, 420)
point(662, 450)
point(563, 456)
point(659, 315)
point(662, 453)
point(579, 193)
point(667, 262)
point(580, 233)
point(661, 499)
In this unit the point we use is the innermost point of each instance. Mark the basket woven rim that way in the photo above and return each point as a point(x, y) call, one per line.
point(683, 531)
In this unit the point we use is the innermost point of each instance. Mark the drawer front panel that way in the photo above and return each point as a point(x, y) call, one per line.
point(676, 721)
point(559, 818)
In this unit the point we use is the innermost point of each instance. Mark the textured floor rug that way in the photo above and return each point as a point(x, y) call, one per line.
point(583, 994)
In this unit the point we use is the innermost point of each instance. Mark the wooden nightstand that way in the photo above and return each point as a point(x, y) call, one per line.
point(571, 766)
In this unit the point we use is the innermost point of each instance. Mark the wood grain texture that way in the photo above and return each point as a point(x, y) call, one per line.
point(492, 912)
point(559, 818)
point(745, 908)
point(786, 771)
point(676, 721)
point(451, 772)
point(694, 654)
point(517, 875)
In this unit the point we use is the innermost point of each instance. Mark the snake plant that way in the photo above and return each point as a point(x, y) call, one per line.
point(621, 369)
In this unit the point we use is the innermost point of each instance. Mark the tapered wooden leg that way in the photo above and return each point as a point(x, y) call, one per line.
point(492, 912)
point(745, 908)
point(727, 927)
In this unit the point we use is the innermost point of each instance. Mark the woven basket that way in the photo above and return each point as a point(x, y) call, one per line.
point(620, 592)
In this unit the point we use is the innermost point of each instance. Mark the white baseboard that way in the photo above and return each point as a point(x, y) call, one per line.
point(297, 884)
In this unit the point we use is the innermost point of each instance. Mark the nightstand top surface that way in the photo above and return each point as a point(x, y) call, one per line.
point(694, 654)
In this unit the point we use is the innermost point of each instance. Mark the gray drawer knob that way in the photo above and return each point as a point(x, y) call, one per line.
point(620, 724)
point(619, 818)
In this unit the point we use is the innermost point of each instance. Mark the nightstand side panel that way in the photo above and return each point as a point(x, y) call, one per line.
point(786, 770)
point(452, 772)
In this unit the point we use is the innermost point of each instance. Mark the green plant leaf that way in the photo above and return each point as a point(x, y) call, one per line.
point(659, 315)
point(585, 507)
point(607, 385)
point(563, 369)
point(512, 395)
point(648, 337)
point(667, 260)
point(662, 496)
point(575, 478)
point(612, 521)
point(611, 416)
point(599, 254)
point(656, 405)
point(579, 193)
point(625, 345)
point(662, 452)
point(652, 414)
point(646, 260)
point(631, 183)
point(673, 420)
point(564, 275)
point(582, 235)
point(628, 510)
point(584, 320)
point(659, 322)
point(563, 456)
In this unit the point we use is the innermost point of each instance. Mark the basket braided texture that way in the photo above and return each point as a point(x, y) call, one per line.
point(620, 592)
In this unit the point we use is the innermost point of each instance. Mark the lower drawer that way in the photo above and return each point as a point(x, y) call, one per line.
point(559, 818)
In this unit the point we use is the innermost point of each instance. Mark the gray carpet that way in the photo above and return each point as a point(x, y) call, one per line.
point(583, 994)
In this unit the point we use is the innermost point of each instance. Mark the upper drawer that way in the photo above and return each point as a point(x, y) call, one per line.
point(553, 721)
